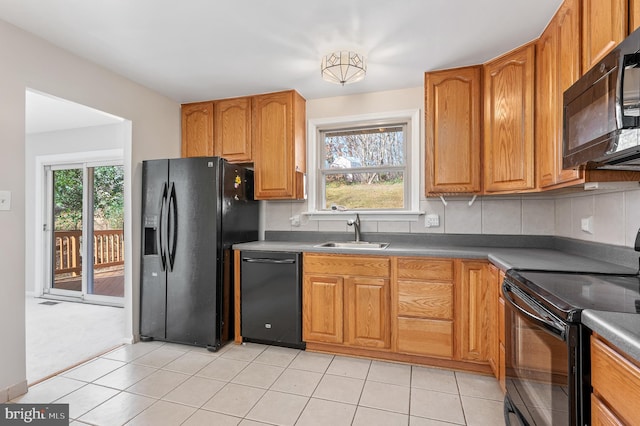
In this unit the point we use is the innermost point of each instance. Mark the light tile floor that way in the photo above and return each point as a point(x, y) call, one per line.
point(159, 383)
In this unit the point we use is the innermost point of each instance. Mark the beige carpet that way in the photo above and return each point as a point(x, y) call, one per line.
point(62, 334)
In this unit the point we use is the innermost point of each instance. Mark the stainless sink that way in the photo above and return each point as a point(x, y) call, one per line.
point(354, 245)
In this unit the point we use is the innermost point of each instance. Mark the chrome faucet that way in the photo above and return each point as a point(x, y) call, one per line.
point(356, 226)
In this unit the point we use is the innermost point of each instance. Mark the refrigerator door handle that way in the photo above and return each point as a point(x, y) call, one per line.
point(163, 212)
point(172, 227)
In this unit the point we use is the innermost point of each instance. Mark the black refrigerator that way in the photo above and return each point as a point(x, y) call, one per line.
point(193, 210)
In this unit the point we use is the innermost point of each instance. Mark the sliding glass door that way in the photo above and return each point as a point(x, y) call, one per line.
point(86, 225)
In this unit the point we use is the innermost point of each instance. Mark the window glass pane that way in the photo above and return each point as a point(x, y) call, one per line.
point(379, 190)
point(368, 147)
point(67, 225)
point(108, 232)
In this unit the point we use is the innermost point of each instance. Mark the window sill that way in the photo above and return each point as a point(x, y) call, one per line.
point(378, 215)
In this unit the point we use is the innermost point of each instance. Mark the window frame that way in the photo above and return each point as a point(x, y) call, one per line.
point(412, 164)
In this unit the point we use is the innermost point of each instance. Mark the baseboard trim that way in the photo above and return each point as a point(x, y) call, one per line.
point(14, 391)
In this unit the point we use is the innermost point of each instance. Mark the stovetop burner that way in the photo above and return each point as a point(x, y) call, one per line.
point(569, 293)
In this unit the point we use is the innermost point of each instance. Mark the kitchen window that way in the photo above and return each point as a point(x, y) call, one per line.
point(367, 164)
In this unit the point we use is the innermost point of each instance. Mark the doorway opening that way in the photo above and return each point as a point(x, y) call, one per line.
point(78, 287)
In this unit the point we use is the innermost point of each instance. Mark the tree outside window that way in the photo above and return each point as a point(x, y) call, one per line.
point(364, 168)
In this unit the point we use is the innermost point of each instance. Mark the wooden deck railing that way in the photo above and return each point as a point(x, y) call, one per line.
point(108, 250)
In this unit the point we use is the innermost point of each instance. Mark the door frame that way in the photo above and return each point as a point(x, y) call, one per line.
point(43, 236)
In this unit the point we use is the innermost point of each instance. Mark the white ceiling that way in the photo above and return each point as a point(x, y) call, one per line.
point(193, 50)
point(45, 113)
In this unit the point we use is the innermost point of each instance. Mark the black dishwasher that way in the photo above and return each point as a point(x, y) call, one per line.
point(271, 298)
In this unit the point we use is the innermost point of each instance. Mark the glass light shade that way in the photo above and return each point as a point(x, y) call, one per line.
point(343, 67)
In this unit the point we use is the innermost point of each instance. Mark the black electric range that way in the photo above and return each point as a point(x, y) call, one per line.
point(566, 294)
point(546, 346)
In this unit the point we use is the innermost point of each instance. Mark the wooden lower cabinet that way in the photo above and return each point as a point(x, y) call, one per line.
point(432, 311)
point(422, 336)
point(425, 306)
point(616, 386)
point(367, 312)
point(323, 309)
point(474, 314)
point(601, 415)
point(345, 300)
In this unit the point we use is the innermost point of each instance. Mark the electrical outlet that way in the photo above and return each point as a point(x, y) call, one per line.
point(5, 200)
point(295, 220)
point(432, 221)
point(586, 224)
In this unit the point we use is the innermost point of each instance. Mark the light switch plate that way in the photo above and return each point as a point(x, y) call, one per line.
point(5, 200)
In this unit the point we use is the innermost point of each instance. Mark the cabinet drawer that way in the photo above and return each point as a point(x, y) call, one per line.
point(363, 266)
point(601, 415)
point(425, 299)
point(425, 337)
point(615, 380)
point(425, 269)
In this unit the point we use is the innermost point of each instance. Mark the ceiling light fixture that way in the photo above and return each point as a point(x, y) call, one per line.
point(343, 67)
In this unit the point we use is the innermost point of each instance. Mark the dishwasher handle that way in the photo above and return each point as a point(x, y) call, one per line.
point(268, 260)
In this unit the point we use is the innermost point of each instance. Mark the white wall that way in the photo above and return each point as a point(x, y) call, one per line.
point(30, 62)
point(86, 139)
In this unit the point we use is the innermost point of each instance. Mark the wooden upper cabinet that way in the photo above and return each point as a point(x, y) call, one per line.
point(279, 145)
point(197, 129)
point(634, 15)
point(453, 136)
point(546, 117)
point(569, 70)
point(232, 131)
point(557, 68)
point(508, 121)
point(604, 25)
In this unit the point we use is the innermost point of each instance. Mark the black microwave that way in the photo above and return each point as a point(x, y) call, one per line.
point(601, 112)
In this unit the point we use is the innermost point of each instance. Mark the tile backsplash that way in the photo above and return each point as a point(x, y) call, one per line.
point(613, 216)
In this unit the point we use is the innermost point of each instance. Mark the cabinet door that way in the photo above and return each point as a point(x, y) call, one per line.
point(279, 145)
point(547, 106)
point(452, 100)
point(232, 136)
point(491, 276)
point(568, 72)
point(557, 68)
point(367, 312)
point(322, 309)
point(634, 15)
point(197, 129)
point(473, 315)
point(508, 122)
point(604, 25)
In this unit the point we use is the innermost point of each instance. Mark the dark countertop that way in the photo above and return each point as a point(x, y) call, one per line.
point(620, 329)
point(503, 258)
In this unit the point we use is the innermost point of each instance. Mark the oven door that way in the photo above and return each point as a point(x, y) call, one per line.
point(542, 363)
